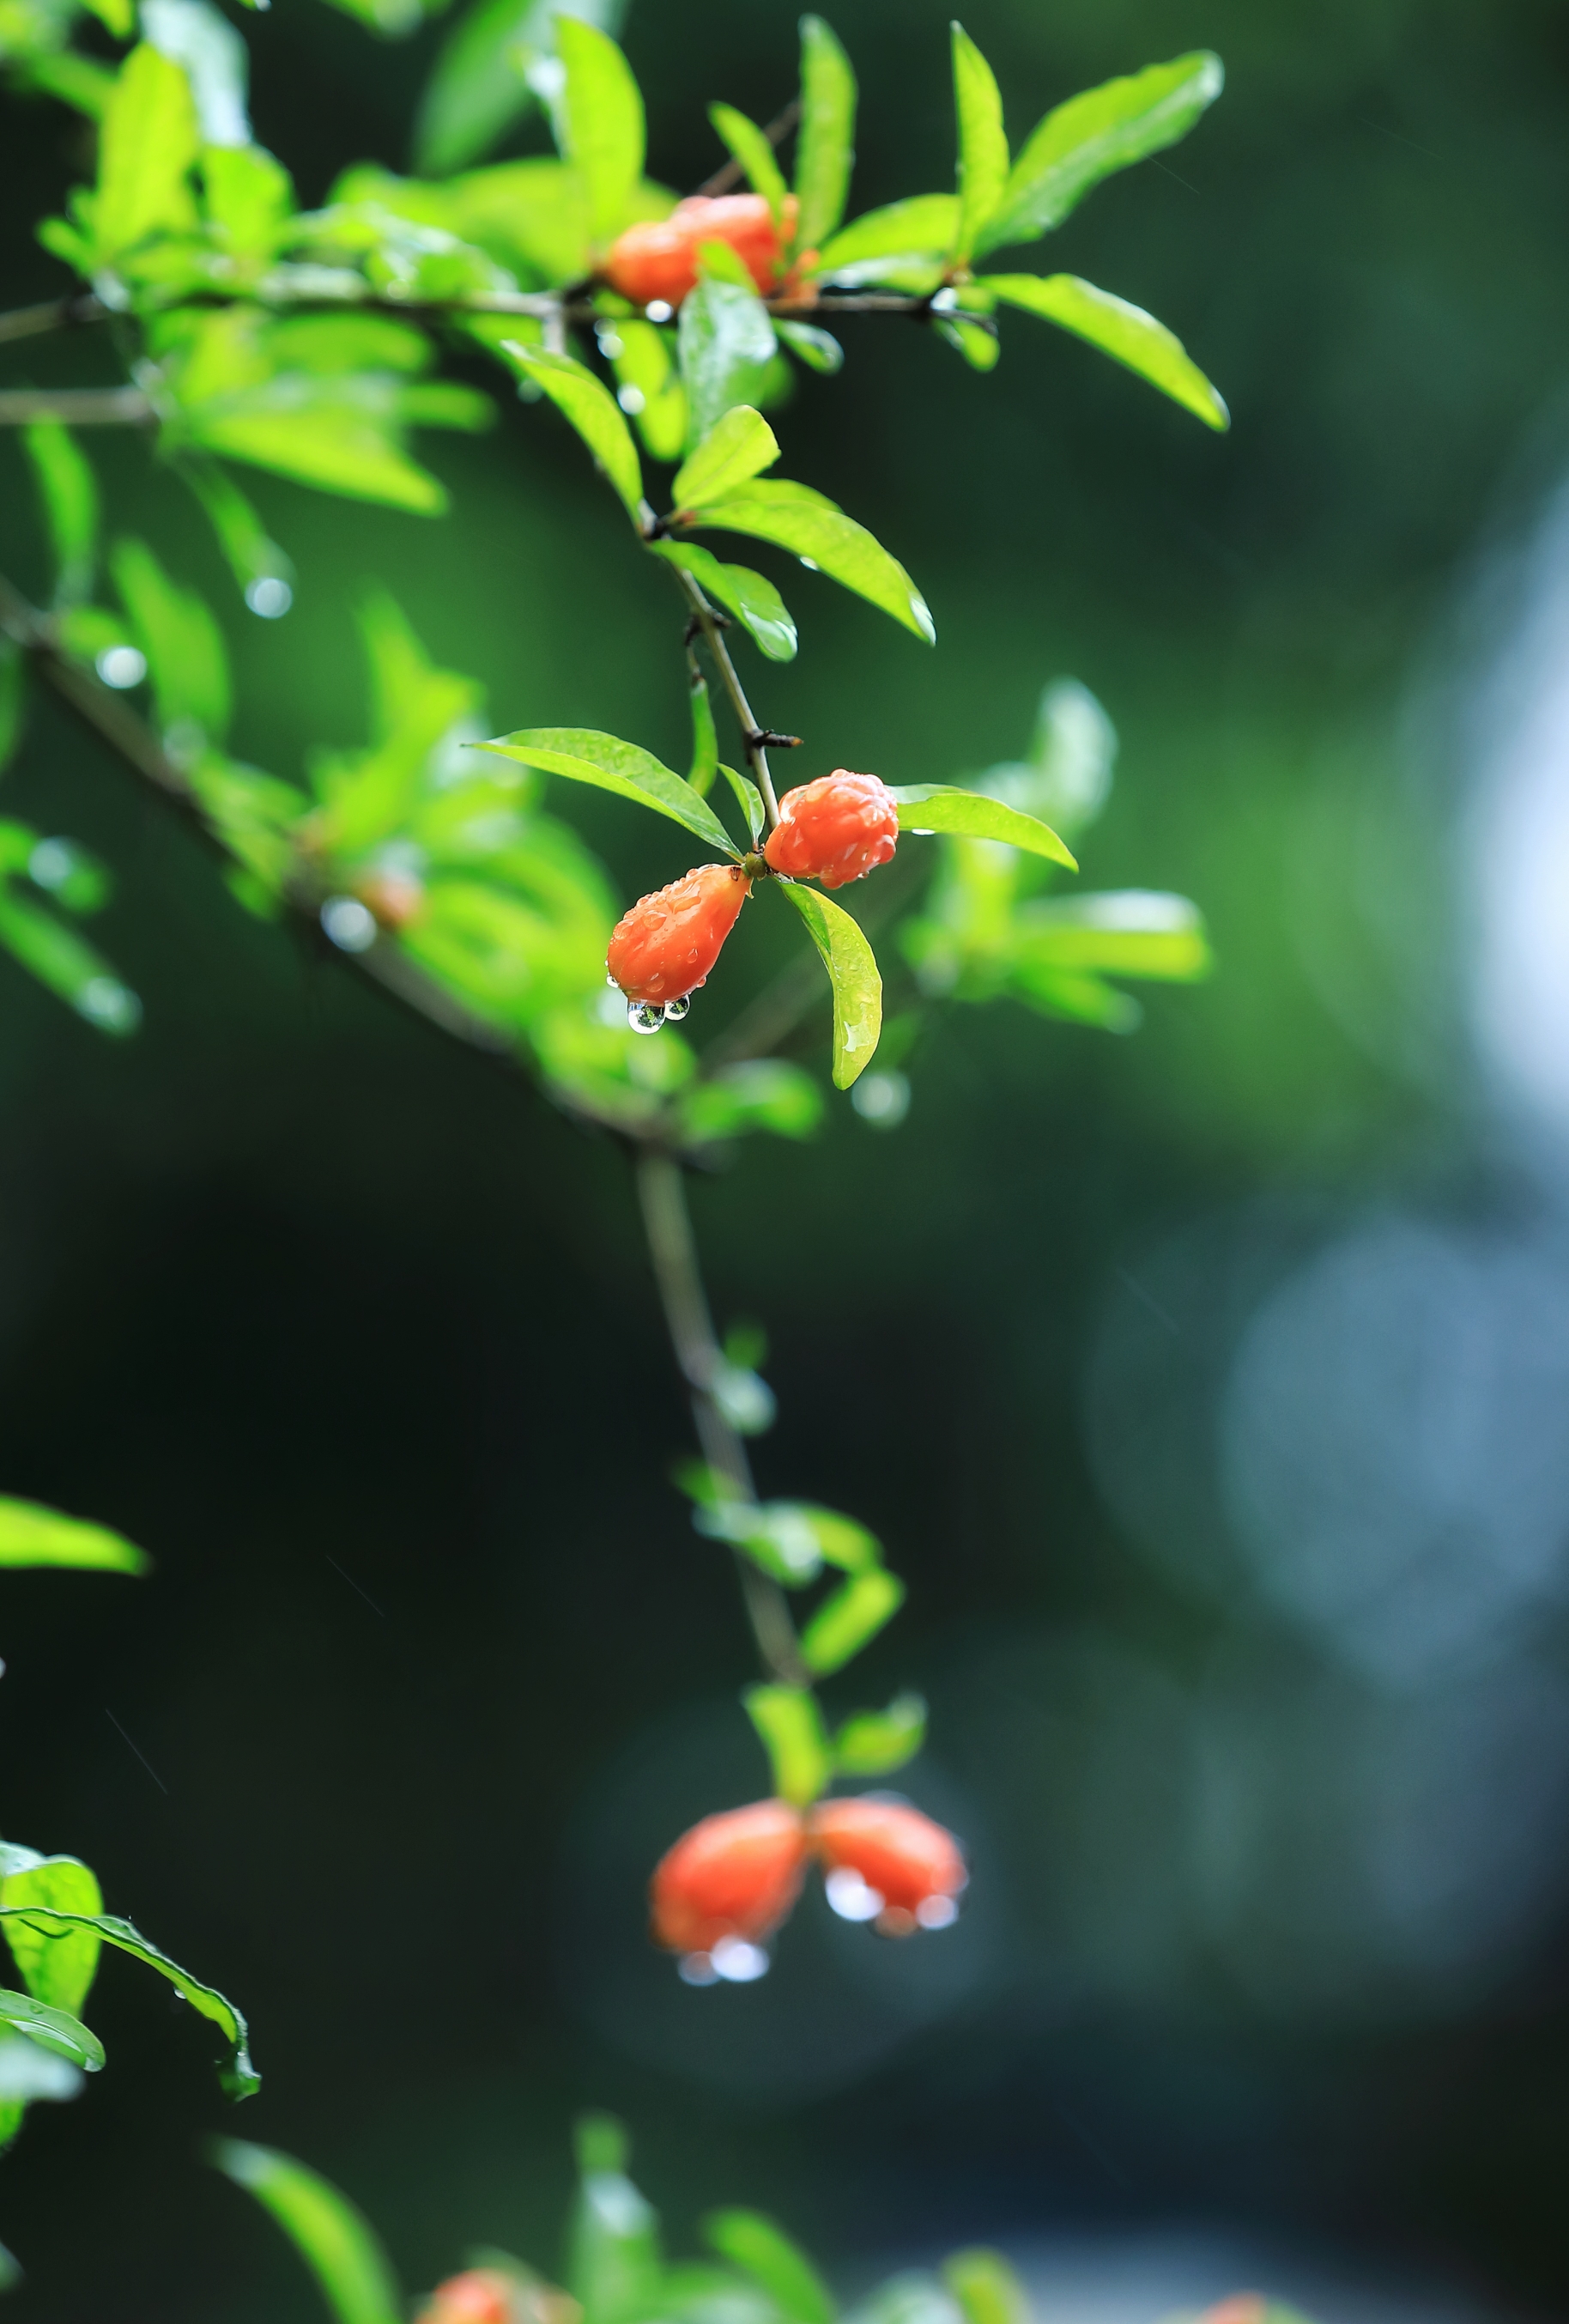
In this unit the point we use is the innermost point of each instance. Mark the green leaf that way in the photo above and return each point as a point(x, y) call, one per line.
point(1125, 333)
point(613, 2263)
point(986, 2288)
point(763, 2251)
point(585, 756)
point(649, 383)
point(982, 145)
point(337, 2242)
point(10, 2271)
point(755, 602)
point(481, 84)
point(603, 116)
point(850, 1620)
point(727, 343)
point(214, 59)
point(147, 144)
point(69, 966)
point(852, 971)
point(237, 2076)
point(32, 1534)
point(876, 1742)
point(764, 1093)
point(250, 199)
point(187, 658)
point(921, 226)
point(818, 349)
point(736, 447)
point(825, 145)
point(13, 699)
point(790, 1726)
point(70, 493)
point(972, 815)
point(704, 764)
point(790, 1540)
point(1105, 129)
point(55, 2030)
point(975, 341)
point(815, 527)
point(750, 801)
point(591, 410)
point(263, 569)
point(1132, 932)
point(751, 149)
point(56, 1966)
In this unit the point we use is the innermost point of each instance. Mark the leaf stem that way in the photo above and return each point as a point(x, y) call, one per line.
point(80, 407)
point(751, 733)
point(52, 315)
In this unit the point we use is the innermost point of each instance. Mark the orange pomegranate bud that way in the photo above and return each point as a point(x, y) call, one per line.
point(889, 1863)
point(658, 259)
point(836, 829)
point(1242, 2308)
point(731, 1875)
point(481, 2295)
point(663, 948)
point(394, 897)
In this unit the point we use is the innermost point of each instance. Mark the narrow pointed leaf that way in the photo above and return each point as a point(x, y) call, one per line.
point(876, 1742)
point(70, 968)
point(736, 448)
point(591, 408)
point(825, 145)
point(1123, 331)
point(603, 113)
point(337, 2244)
point(704, 764)
point(790, 1725)
point(985, 2287)
point(70, 493)
point(609, 764)
point(971, 814)
point(55, 2030)
point(614, 2269)
point(1105, 129)
point(754, 601)
point(818, 349)
point(815, 527)
point(850, 1619)
point(763, 2251)
point(921, 226)
point(727, 343)
point(751, 149)
point(237, 2076)
point(982, 145)
point(749, 799)
point(32, 1534)
point(147, 144)
point(852, 971)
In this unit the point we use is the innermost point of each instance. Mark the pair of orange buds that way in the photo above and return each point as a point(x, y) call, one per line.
point(729, 1882)
point(658, 260)
point(836, 829)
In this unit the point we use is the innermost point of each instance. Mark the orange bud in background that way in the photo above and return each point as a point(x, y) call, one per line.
point(481, 2295)
point(731, 1878)
point(665, 946)
point(888, 1863)
point(836, 829)
point(658, 259)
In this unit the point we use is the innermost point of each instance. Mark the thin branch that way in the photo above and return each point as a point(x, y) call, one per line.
point(752, 733)
point(80, 407)
point(732, 171)
point(53, 314)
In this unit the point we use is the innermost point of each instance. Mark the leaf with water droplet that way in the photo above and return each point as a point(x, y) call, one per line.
point(853, 973)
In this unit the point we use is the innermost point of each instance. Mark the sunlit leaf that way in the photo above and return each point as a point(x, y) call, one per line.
point(337, 2242)
point(986, 2288)
point(850, 1620)
point(32, 1534)
point(55, 2030)
point(147, 142)
point(738, 446)
point(262, 570)
point(56, 1965)
point(70, 493)
point(237, 2076)
point(1125, 333)
point(726, 345)
point(973, 815)
point(976, 342)
point(752, 2242)
point(790, 1725)
point(754, 601)
point(609, 764)
point(852, 971)
point(481, 82)
point(592, 410)
point(982, 145)
point(922, 225)
point(250, 198)
point(825, 143)
point(749, 799)
point(1105, 129)
point(648, 383)
point(751, 149)
point(813, 527)
point(604, 114)
point(876, 1742)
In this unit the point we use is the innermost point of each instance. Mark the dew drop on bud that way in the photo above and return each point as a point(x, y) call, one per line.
point(674, 1010)
point(738, 1962)
point(645, 1016)
point(697, 1968)
point(610, 980)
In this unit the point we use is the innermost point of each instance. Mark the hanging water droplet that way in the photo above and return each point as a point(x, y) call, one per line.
point(674, 1010)
point(645, 1016)
point(610, 980)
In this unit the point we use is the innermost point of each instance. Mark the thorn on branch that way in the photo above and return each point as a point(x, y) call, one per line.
point(764, 738)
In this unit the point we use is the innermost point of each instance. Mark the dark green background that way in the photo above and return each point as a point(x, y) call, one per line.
point(323, 1312)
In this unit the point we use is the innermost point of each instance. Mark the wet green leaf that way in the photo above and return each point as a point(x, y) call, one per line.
point(1125, 333)
point(825, 143)
point(726, 345)
point(602, 111)
point(649, 385)
point(70, 493)
point(56, 1965)
point(973, 815)
point(237, 2076)
point(147, 142)
point(852, 970)
point(976, 342)
point(591, 410)
point(609, 764)
point(750, 801)
point(850, 1619)
point(985, 2287)
point(921, 226)
point(55, 2030)
point(790, 1726)
point(815, 529)
point(1105, 129)
point(187, 658)
point(337, 2242)
point(736, 447)
point(876, 1742)
point(481, 82)
point(262, 570)
point(754, 601)
point(750, 147)
point(982, 145)
point(32, 1534)
point(751, 2242)
point(250, 199)
point(818, 349)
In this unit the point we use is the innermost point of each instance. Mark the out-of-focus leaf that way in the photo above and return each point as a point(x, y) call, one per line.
point(790, 1540)
point(10, 2271)
point(738, 446)
point(982, 145)
point(337, 2242)
point(975, 341)
point(29, 2071)
point(648, 383)
point(704, 764)
point(56, 2030)
point(910, 2298)
point(249, 198)
point(118, 17)
point(819, 531)
point(818, 349)
point(592, 410)
point(56, 1966)
point(263, 569)
point(751, 2242)
point(76, 80)
point(186, 656)
point(985, 2287)
point(1105, 129)
point(727, 343)
point(148, 141)
point(972, 815)
point(754, 601)
point(609, 764)
point(749, 799)
point(1133, 932)
point(1125, 332)
point(613, 2265)
point(482, 85)
point(65, 871)
point(602, 110)
point(32, 1534)
point(751, 149)
point(850, 1619)
point(876, 1742)
point(790, 1725)
point(70, 493)
point(13, 699)
point(825, 145)
point(237, 2076)
point(214, 61)
point(70, 967)
point(852, 971)
point(921, 226)
point(393, 19)
point(766, 1094)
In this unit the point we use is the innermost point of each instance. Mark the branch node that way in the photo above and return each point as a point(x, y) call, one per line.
point(764, 738)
